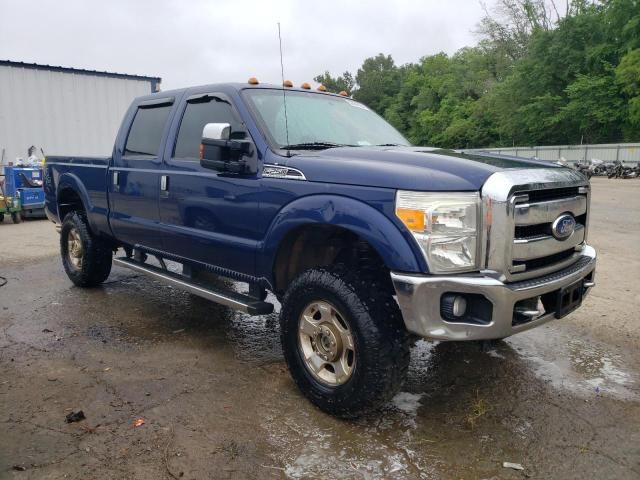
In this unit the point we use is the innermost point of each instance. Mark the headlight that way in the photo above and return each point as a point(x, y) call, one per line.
point(445, 226)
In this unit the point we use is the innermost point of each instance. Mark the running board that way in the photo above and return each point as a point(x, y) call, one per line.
point(234, 300)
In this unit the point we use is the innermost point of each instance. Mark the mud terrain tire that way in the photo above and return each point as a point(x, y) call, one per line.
point(381, 348)
point(85, 257)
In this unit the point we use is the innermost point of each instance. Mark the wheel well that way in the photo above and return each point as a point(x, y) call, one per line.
point(320, 246)
point(69, 201)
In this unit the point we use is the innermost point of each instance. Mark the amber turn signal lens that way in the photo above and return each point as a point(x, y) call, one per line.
point(287, 83)
point(343, 93)
point(412, 219)
point(253, 81)
point(306, 86)
point(322, 88)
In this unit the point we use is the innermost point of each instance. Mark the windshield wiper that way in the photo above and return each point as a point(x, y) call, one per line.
point(389, 145)
point(313, 146)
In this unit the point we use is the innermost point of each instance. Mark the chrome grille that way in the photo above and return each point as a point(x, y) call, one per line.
point(519, 207)
point(534, 247)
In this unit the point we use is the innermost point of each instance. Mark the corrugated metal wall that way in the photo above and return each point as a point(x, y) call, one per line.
point(63, 113)
point(625, 152)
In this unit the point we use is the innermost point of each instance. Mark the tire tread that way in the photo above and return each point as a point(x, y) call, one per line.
point(367, 295)
point(96, 265)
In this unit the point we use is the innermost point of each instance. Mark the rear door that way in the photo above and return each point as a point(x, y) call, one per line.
point(209, 216)
point(134, 182)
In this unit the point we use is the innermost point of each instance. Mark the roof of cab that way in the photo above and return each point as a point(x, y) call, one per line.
point(234, 86)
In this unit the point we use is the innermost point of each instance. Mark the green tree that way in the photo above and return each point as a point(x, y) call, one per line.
point(539, 75)
point(594, 108)
point(628, 78)
point(378, 82)
point(344, 82)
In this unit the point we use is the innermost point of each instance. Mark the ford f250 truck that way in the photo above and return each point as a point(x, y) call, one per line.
point(365, 240)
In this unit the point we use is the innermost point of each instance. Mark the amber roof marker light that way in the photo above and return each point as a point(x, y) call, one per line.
point(253, 81)
point(322, 88)
point(287, 83)
point(306, 86)
point(343, 94)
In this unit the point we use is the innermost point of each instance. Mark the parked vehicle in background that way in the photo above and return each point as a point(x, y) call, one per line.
point(24, 186)
point(364, 239)
point(9, 205)
point(599, 167)
point(585, 169)
point(618, 170)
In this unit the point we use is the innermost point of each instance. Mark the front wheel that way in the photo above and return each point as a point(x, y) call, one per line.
point(16, 217)
point(344, 341)
point(85, 257)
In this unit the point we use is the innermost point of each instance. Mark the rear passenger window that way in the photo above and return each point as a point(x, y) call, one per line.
point(209, 109)
point(146, 131)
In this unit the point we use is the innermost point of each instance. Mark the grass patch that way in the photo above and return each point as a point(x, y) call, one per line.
point(478, 408)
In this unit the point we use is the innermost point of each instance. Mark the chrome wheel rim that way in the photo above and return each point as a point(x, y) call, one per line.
point(326, 343)
point(74, 249)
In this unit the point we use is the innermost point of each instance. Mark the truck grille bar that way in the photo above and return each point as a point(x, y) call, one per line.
point(543, 212)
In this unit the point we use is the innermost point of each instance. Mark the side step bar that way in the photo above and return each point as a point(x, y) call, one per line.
point(229, 299)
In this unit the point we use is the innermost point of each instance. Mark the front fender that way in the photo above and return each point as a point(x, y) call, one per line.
point(396, 248)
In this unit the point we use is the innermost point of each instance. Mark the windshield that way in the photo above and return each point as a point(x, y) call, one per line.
point(320, 121)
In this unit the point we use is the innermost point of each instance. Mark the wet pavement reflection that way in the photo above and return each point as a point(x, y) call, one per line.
point(215, 379)
point(457, 399)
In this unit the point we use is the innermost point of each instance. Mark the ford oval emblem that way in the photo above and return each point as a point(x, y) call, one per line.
point(563, 226)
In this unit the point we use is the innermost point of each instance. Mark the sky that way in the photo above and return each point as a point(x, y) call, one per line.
point(194, 42)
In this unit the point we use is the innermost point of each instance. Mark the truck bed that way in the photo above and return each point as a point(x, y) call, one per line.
point(86, 176)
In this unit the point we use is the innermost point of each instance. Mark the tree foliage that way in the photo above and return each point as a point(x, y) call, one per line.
point(344, 82)
point(538, 75)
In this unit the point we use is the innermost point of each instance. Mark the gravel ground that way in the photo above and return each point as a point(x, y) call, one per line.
point(217, 402)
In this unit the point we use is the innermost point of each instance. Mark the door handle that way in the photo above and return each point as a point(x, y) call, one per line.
point(116, 178)
point(164, 183)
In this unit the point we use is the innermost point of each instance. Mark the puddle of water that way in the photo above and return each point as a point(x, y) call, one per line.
point(317, 462)
point(356, 453)
point(421, 366)
point(381, 446)
point(256, 340)
point(583, 368)
point(494, 353)
point(407, 402)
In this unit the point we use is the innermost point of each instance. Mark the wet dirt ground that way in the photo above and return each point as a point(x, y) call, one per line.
point(213, 390)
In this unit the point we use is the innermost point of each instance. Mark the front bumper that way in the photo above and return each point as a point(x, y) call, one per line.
point(419, 298)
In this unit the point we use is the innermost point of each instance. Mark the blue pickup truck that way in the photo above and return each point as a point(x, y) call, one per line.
point(365, 240)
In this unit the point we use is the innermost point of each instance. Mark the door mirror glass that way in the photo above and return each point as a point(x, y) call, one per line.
point(219, 152)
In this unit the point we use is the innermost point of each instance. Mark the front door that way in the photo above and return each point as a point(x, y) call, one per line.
point(134, 181)
point(207, 215)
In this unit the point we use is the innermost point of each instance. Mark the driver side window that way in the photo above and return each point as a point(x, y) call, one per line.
point(199, 112)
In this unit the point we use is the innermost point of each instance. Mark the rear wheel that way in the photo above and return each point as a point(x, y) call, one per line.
point(85, 257)
point(1, 217)
point(343, 340)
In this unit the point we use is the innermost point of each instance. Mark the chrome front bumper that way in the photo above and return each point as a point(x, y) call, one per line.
point(419, 297)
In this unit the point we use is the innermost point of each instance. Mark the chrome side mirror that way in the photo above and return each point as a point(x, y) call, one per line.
point(216, 131)
point(219, 152)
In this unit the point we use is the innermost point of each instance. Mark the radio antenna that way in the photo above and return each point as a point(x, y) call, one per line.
point(284, 93)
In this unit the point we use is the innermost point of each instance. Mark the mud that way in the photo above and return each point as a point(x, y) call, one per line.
point(217, 401)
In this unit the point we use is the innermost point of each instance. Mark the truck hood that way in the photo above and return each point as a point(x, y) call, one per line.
point(408, 168)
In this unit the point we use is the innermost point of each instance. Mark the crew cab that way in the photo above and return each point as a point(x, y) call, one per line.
point(365, 240)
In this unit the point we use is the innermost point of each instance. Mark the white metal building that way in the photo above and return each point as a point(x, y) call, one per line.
point(64, 111)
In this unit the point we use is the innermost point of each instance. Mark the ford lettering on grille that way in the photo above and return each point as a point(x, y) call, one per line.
point(563, 226)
